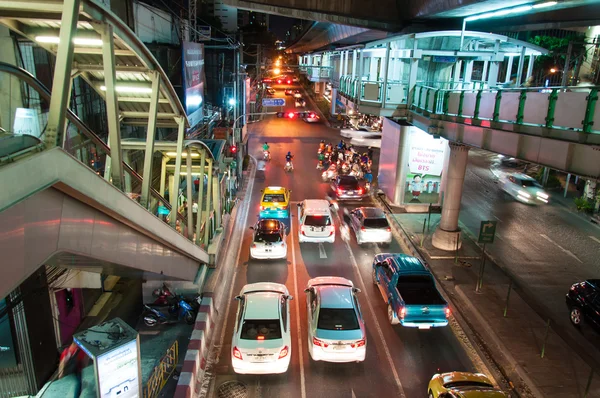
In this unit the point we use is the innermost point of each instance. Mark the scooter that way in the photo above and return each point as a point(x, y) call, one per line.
point(330, 173)
point(266, 155)
point(154, 317)
point(163, 295)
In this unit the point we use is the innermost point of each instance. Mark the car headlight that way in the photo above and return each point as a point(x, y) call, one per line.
point(542, 195)
point(524, 194)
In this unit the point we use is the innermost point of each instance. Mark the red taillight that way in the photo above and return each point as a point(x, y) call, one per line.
point(279, 81)
point(388, 229)
point(339, 191)
point(332, 231)
point(237, 353)
point(447, 312)
point(302, 230)
point(312, 115)
point(289, 81)
point(254, 245)
point(283, 353)
point(402, 312)
point(262, 207)
point(363, 229)
point(291, 115)
point(320, 343)
point(260, 337)
point(359, 343)
point(360, 191)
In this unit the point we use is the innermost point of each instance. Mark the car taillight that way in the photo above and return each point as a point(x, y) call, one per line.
point(311, 115)
point(360, 191)
point(254, 245)
point(302, 230)
point(237, 353)
point(359, 343)
point(289, 81)
point(262, 207)
point(279, 81)
point(363, 229)
point(402, 312)
point(320, 343)
point(283, 353)
point(339, 191)
point(291, 115)
point(447, 312)
point(388, 229)
point(332, 231)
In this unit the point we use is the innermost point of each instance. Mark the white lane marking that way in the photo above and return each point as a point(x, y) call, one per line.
point(377, 326)
point(595, 239)
point(496, 218)
point(298, 329)
point(322, 252)
point(353, 395)
point(561, 248)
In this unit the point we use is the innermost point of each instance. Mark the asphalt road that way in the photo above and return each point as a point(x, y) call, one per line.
point(547, 248)
point(400, 361)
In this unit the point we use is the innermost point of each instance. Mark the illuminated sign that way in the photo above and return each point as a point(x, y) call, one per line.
point(118, 372)
point(193, 80)
point(26, 122)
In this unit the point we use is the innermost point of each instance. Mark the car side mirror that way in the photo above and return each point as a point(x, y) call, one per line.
point(289, 297)
point(307, 290)
point(238, 297)
point(356, 290)
point(298, 204)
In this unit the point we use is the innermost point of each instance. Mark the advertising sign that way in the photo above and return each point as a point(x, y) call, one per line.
point(426, 158)
point(118, 372)
point(203, 33)
point(193, 80)
point(26, 122)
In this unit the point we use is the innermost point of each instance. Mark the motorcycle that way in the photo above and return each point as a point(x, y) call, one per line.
point(356, 172)
point(184, 310)
point(330, 173)
point(288, 166)
point(345, 169)
point(163, 295)
point(266, 155)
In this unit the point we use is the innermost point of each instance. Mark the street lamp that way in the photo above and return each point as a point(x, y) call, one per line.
point(231, 102)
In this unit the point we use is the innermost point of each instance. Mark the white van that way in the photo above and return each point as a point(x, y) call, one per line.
point(315, 221)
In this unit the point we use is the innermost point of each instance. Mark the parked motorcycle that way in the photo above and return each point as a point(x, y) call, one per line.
point(163, 295)
point(182, 308)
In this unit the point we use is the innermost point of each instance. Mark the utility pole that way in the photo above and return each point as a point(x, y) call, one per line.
point(193, 22)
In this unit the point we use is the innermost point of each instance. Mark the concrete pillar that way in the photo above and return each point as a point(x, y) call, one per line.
point(529, 67)
point(484, 71)
point(200, 196)
point(372, 69)
point(447, 235)
point(62, 74)
point(520, 68)
point(333, 100)
point(457, 68)
point(353, 64)
point(493, 74)
point(509, 65)
point(385, 68)
point(209, 205)
point(468, 71)
point(401, 165)
point(189, 194)
point(163, 175)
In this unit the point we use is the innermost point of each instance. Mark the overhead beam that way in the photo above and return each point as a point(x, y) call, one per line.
point(118, 68)
point(133, 114)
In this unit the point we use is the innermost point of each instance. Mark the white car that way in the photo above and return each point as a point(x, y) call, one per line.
point(300, 102)
point(315, 221)
point(297, 94)
point(525, 189)
point(336, 330)
point(261, 342)
point(370, 225)
point(360, 132)
point(311, 118)
point(269, 240)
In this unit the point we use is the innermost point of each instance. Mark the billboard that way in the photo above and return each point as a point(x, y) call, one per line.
point(426, 158)
point(118, 372)
point(193, 80)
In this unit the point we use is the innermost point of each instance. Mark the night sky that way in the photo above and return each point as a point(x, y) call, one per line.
point(279, 25)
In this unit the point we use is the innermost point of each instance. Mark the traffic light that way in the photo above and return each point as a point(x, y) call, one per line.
point(299, 115)
point(233, 149)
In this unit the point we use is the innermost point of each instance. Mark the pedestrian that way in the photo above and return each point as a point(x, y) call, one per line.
point(182, 208)
point(72, 361)
point(195, 212)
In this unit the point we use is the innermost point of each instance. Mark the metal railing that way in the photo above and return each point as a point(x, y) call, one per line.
point(162, 372)
point(568, 108)
point(371, 91)
point(319, 72)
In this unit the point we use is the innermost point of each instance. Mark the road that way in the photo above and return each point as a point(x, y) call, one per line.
point(547, 248)
point(399, 362)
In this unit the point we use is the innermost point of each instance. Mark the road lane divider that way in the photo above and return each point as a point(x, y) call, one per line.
point(567, 252)
point(298, 328)
point(322, 252)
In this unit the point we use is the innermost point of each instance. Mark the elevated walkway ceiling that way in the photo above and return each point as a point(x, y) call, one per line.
point(57, 211)
point(135, 66)
point(324, 35)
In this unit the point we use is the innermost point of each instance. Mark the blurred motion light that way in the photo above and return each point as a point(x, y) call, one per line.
point(552, 70)
point(509, 11)
point(231, 101)
point(291, 115)
point(276, 71)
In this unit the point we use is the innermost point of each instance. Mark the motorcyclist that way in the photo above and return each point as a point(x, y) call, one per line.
point(288, 158)
point(320, 165)
point(266, 150)
point(342, 145)
point(322, 145)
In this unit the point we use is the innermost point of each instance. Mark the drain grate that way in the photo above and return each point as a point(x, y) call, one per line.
point(232, 389)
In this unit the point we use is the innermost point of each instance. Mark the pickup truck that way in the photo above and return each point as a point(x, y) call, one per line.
point(408, 288)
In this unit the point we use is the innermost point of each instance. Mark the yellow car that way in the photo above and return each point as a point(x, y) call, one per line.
point(463, 385)
point(275, 203)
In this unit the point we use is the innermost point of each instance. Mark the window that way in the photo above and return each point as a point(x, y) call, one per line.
point(261, 329)
point(283, 303)
point(267, 238)
point(356, 305)
point(467, 383)
point(317, 221)
point(337, 319)
point(376, 223)
point(240, 312)
point(274, 197)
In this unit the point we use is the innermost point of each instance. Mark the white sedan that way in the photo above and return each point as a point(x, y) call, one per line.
point(370, 225)
point(268, 240)
point(524, 188)
point(261, 342)
point(360, 132)
point(336, 330)
point(311, 118)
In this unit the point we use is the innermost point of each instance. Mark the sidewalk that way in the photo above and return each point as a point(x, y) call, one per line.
point(514, 342)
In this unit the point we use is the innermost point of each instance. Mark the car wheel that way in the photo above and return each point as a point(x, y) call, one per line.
point(391, 316)
point(576, 316)
point(374, 276)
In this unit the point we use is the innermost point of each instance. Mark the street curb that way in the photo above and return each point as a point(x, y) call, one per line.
point(194, 365)
point(493, 336)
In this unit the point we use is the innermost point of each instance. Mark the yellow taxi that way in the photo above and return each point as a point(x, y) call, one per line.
point(463, 385)
point(275, 203)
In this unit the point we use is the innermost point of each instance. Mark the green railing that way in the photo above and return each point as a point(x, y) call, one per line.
point(569, 108)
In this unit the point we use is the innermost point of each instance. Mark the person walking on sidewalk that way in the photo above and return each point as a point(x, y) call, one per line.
point(72, 361)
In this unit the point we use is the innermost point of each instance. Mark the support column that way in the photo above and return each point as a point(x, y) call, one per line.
point(468, 71)
point(127, 176)
point(217, 200)
point(112, 105)
point(150, 137)
point(493, 75)
point(508, 69)
point(200, 197)
point(163, 175)
point(333, 100)
point(401, 166)
point(530, 67)
point(209, 204)
point(447, 235)
point(372, 69)
point(457, 68)
point(386, 68)
point(353, 64)
point(412, 79)
point(484, 71)
point(174, 193)
point(62, 74)
point(519, 80)
point(189, 193)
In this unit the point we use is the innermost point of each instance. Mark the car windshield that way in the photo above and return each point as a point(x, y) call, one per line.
point(261, 329)
point(274, 197)
point(348, 183)
point(530, 183)
point(317, 221)
point(337, 319)
point(376, 223)
point(466, 383)
point(262, 237)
